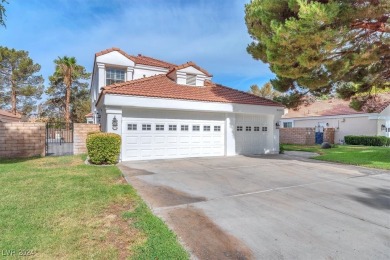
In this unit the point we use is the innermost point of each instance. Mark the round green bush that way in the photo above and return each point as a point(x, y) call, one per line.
point(92, 133)
point(103, 148)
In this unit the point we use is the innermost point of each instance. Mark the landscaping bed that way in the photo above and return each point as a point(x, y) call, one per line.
point(367, 156)
point(58, 207)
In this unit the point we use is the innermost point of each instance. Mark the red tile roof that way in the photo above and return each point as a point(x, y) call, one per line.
point(189, 64)
point(331, 107)
point(161, 86)
point(140, 59)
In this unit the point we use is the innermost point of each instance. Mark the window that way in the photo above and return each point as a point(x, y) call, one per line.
point(159, 127)
point(256, 128)
point(132, 127)
point(217, 128)
point(206, 128)
point(195, 128)
point(264, 129)
point(239, 128)
point(146, 127)
point(191, 79)
point(172, 127)
point(248, 128)
point(287, 125)
point(184, 128)
point(115, 75)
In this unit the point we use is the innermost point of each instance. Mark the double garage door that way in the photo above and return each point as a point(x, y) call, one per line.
point(164, 135)
point(172, 135)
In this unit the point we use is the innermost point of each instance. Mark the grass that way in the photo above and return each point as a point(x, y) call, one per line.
point(367, 156)
point(58, 207)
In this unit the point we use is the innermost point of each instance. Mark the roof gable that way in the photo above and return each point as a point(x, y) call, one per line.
point(190, 67)
point(115, 57)
point(140, 59)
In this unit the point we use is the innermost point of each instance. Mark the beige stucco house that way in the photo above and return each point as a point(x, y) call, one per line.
point(336, 113)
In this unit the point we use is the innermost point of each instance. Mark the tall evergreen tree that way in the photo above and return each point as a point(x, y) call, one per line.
point(68, 92)
point(68, 75)
point(20, 87)
point(318, 46)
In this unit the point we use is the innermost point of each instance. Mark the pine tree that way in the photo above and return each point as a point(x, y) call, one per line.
point(319, 46)
point(266, 91)
point(20, 87)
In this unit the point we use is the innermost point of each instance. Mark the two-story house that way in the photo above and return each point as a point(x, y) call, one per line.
point(163, 110)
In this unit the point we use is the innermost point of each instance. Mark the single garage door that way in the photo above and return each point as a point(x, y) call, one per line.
point(252, 133)
point(169, 135)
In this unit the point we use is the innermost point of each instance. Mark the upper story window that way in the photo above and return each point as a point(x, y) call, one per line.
point(191, 79)
point(287, 125)
point(114, 75)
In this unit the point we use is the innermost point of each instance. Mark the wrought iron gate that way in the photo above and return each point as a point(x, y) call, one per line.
point(59, 138)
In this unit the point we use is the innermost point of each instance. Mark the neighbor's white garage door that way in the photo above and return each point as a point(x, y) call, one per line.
point(252, 134)
point(161, 135)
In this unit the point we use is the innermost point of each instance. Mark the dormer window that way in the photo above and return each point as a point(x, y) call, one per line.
point(191, 79)
point(115, 75)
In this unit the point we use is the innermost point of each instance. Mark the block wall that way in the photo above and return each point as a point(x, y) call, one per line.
point(297, 135)
point(20, 139)
point(80, 136)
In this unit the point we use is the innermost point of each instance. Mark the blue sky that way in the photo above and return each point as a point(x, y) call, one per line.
point(210, 33)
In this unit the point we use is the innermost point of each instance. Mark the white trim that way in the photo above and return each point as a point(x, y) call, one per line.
point(189, 105)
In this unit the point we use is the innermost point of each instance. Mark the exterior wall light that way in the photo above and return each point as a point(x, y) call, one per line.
point(114, 123)
point(383, 127)
point(277, 125)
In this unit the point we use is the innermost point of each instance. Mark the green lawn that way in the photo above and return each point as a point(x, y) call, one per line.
point(368, 156)
point(58, 207)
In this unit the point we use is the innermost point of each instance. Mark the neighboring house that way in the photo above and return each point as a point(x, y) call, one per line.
point(336, 113)
point(6, 116)
point(163, 110)
point(89, 118)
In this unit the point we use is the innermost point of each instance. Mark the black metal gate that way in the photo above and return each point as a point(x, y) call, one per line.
point(59, 138)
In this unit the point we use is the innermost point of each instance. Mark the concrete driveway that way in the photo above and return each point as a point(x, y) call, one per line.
point(269, 207)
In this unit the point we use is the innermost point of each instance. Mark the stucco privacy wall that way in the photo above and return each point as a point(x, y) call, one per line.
point(80, 136)
point(19, 139)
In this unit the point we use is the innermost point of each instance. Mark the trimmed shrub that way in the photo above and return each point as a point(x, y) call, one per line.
point(92, 133)
point(367, 140)
point(103, 148)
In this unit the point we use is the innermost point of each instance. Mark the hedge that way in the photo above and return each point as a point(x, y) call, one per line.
point(103, 148)
point(367, 140)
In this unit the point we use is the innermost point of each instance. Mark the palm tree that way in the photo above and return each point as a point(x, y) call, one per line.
point(68, 70)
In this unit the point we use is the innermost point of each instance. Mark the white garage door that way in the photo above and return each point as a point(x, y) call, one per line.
point(252, 133)
point(168, 135)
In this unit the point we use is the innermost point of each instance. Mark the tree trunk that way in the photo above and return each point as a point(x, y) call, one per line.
point(13, 98)
point(67, 105)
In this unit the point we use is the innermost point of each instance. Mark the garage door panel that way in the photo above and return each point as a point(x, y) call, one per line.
point(185, 139)
point(132, 139)
point(251, 142)
point(176, 139)
point(146, 139)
